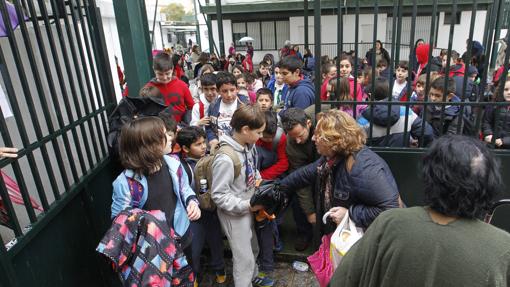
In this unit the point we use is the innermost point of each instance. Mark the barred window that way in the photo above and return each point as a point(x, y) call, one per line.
point(267, 35)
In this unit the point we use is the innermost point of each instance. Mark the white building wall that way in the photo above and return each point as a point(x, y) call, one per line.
point(227, 35)
point(112, 37)
point(461, 31)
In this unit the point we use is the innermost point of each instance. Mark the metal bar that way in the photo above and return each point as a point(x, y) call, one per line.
point(7, 203)
point(4, 162)
point(356, 48)
point(374, 64)
point(94, 80)
point(410, 68)
point(73, 88)
point(427, 86)
point(466, 67)
point(500, 91)
point(391, 65)
point(261, 42)
point(7, 272)
point(448, 58)
point(199, 40)
point(53, 94)
point(40, 225)
point(42, 99)
point(18, 116)
point(317, 41)
point(400, 103)
point(74, 56)
point(488, 45)
point(275, 37)
point(87, 82)
point(497, 33)
point(99, 44)
point(219, 20)
point(80, 82)
point(339, 37)
point(154, 24)
point(305, 18)
point(133, 30)
point(399, 32)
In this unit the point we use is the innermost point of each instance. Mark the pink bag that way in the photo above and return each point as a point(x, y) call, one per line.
point(321, 263)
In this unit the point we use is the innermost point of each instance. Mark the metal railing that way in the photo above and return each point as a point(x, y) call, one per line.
point(58, 84)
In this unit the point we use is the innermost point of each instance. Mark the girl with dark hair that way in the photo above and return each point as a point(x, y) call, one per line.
point(380, 53)
point(444, 243)
point(496, 120)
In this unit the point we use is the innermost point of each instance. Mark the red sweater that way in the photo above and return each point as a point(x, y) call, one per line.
point(282, 163)
point(177, 94)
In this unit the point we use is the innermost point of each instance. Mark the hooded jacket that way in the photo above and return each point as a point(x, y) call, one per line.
point(395, 117)
point(232, 195)
point(451, 121)
point(301, 95)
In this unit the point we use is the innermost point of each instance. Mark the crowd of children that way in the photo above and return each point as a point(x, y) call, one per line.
point(259, 126)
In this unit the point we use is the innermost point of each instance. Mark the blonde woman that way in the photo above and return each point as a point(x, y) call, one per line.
point(347, 176)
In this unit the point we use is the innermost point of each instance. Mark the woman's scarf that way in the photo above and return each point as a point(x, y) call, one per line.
point(325, 171)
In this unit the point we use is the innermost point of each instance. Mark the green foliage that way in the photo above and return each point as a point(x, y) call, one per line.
point(174, 12)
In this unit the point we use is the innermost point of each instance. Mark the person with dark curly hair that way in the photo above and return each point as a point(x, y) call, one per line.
point(444, 243)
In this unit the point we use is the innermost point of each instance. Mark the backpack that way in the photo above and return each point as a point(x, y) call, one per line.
point(201, 109)
point(128, 109)
point(203, 170)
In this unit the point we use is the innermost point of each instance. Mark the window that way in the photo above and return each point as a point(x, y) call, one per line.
point(448, 18)
point(267, 35)
point(238, 31)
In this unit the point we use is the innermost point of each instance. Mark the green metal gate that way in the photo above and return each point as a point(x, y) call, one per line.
point(56, 77)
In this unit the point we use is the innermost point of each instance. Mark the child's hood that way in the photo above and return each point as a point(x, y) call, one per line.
point(235, 145)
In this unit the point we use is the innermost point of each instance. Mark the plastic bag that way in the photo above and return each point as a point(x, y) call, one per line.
point(321, 263)
point(345, 235)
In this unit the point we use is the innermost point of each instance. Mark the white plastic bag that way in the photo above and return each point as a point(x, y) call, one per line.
point(345, 235)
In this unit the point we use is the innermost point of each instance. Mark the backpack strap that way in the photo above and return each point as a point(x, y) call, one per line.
point(277, 138)
point(225, 148)
point(136, 191)
point(201, 109)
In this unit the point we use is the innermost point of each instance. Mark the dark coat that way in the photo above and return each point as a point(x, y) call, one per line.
point(499, 128)
point(366, 191)
point(381, 117)
point(450, 121)
point(384, 53)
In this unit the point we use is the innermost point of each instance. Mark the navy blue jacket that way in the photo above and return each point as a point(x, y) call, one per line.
point(301, 95)
point(395, 117)
point(366, 191)
point(272, 86)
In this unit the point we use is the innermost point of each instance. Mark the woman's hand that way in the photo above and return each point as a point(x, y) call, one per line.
point(256, 208)
point(8, 152)
point(193, 210)
point(312, 218)
point(337, 214)
point(499, 142)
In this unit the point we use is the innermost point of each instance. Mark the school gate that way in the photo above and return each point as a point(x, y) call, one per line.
point(58, 92)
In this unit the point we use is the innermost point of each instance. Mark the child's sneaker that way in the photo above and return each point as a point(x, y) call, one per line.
point(220, 277)
point(262, 280)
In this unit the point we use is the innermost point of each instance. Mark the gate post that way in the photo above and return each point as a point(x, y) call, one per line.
point(133, 28)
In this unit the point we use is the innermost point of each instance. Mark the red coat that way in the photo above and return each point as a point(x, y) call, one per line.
point(282, 163)
point(177, 94)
